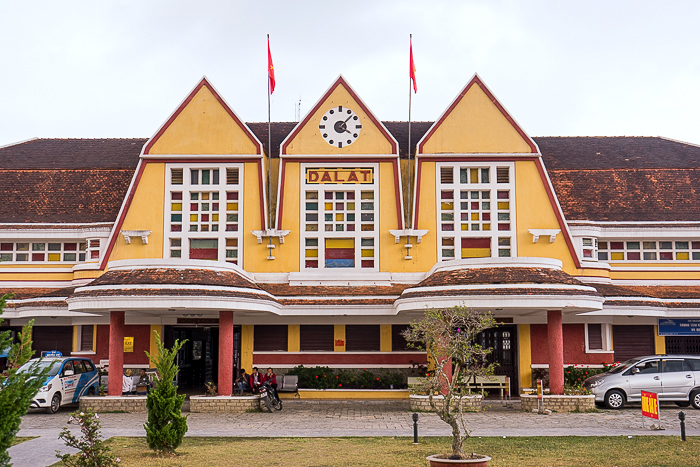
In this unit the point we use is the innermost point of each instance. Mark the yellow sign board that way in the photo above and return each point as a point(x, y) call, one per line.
point(344, 176)
point(128, 344)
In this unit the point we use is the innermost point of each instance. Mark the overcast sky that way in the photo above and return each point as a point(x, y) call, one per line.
point(96, 69)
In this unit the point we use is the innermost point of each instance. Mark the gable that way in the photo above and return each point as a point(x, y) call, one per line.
point(476, 122)
point(203, 124)
point(307, 138)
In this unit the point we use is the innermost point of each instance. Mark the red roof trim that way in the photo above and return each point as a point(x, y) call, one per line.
point(338, 82)
point(476, 80)
point(185, 103)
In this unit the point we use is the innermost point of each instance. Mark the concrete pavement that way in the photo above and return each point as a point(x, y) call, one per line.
point(355, 418)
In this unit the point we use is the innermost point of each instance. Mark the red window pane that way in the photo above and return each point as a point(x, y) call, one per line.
point(204, 253)
point(503, 195)
point(329, 195)
point(666, 256)
point(215, 207)
point(367, 263)
point(176, 196)
point(311, 263)
point(94, 254)
point(351, 227)
point(232, 227)
point(339, 206)
point(70, 247)
point(587, 253)
point(176, 228)
point(633, 255)
point(205, 217)
point(486, 216)
point(696, 245)
point(37, 256)
point(476, 243)
point(475, 206)
point(351, 195)
point(194, 206)
point(232, 196)
point(6, 246)
point(617, 245)
point(504, 226)
point(446, 195)
point(448, 227)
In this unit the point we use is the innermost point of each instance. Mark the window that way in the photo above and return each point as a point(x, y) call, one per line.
point(359, 338)
point(649, 250)
point(86, 334)
point(589, 248)
point(339, 218)
point(598, 338)
point(204, 212)
point(40, 252)
point(270, 338)
point(476, 216)
point(316, 337)
point(398, 342)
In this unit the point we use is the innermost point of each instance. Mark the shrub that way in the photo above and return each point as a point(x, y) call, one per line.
point(166, 427)
point(323, 377)
point(93, 451)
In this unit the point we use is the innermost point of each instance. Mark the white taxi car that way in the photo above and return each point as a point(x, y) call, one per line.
point(68, 379)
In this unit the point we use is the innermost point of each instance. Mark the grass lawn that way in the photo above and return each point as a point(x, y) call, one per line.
point(22, 439)
point(318, 452)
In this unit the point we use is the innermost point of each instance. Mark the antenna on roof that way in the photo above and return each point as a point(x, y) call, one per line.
point(297, 110)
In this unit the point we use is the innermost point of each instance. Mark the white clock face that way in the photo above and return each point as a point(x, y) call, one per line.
point(340, 126)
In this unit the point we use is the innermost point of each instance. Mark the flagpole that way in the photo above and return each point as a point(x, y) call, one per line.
point(409, 201)
point(269, 144)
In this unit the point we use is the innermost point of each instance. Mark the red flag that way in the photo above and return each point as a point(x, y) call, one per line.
point(270, 68)
point(413, 71)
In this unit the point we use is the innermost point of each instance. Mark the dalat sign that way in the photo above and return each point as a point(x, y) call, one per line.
point(340, 175)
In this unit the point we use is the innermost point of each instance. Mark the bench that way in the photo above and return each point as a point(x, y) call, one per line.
point(288, 383)
point(484, 383)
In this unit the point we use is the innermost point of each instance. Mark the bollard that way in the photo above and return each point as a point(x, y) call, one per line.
point(415, 428)
point(681, 417)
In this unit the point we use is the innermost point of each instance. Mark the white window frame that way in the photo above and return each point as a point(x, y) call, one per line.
point(78, 340)
point(606, 337)
point(494, 234)
point(46, 251)
point(186, 188)
point(657, 250)
point(321, 234)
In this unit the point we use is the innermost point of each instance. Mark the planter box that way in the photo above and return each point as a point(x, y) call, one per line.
point(228, 404)
point(131, 404)
point(471, 403)
point(559, 403)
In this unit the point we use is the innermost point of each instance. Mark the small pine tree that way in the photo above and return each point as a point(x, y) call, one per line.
point(17, 389)
point(166, 427)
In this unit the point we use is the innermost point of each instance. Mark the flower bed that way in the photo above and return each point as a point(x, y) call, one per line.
point(329, 378)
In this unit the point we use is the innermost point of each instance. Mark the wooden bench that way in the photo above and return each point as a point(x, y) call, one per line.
point(484, 383)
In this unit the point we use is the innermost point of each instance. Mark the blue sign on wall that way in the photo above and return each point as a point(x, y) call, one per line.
point(679, 327)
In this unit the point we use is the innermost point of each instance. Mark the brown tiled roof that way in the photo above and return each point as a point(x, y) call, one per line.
point(279, 131)
point(514, 275)
point(616, 152)
point(72, 154)
point(665, 292)
point(515, 290)
point(174, 276)
point(24, 294)
point(338, 301)
point(628, 194)
point(62, 196)
point(183, 292)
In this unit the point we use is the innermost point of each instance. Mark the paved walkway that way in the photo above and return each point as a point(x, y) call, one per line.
point(354, 418)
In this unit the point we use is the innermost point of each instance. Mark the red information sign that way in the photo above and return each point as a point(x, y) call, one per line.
point(650, 405)
point(539, 389)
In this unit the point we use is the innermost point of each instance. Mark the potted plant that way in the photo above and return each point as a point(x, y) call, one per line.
point(449, 336)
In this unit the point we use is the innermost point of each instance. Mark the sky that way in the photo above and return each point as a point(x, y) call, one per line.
point(118, 69)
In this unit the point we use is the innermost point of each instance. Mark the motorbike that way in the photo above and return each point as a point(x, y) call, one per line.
point(268, 397)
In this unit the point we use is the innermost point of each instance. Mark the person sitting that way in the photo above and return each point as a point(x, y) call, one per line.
point(272, 379)
point(144, 381)
point(242, 381)
point(127, 384)
point(255, 381)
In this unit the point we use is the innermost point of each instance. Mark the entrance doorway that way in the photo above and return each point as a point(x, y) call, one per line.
point(198, 359)
point(504, 342)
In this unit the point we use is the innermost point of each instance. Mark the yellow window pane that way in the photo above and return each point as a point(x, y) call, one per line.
point(351, 206)
point(474, 175)
point(476, 252)
point(617, 256)
point(193, 217)
point(465, 226)
point(231, 242)
point(176, 207)
point(447, 206)
point(312, 227)
point(232, 206)
point(486, 227)
point(57, 256)
point(205, 195)
point(679, 255)
point(503, 205)
point(311, 195)
point(367, 195)
point(368, 253)
point(475, 216)
point(215, 218)
point(312, 253)
point(339, 217)
point(340, 243)
point(329, 206)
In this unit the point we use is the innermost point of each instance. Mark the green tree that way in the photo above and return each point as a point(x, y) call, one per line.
point(449, 336)
point(17, 388)
point(166, 427)
point(93, 450)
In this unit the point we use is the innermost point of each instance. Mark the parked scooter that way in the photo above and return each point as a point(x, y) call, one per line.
point(268, 396)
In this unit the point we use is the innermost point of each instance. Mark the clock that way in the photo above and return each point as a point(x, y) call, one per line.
point(340, 126)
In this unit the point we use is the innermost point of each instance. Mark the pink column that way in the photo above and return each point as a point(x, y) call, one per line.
point(556, 352)
point(116, 352)
point(225, 353)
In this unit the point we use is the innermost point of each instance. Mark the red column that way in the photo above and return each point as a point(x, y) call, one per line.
point(225, 353)
point(556, 352)
point(116, 352)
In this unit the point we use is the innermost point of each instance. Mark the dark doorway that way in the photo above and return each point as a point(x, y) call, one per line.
point(198, 359)
point(683, 345)
point(504, 342)
point(632, 341)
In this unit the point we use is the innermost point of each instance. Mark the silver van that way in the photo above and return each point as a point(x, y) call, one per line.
point(674, 378)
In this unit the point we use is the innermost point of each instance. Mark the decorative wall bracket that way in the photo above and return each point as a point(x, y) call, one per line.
point(259, 234)
point(408, 233)
point(536, 233)
point(136, 233)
